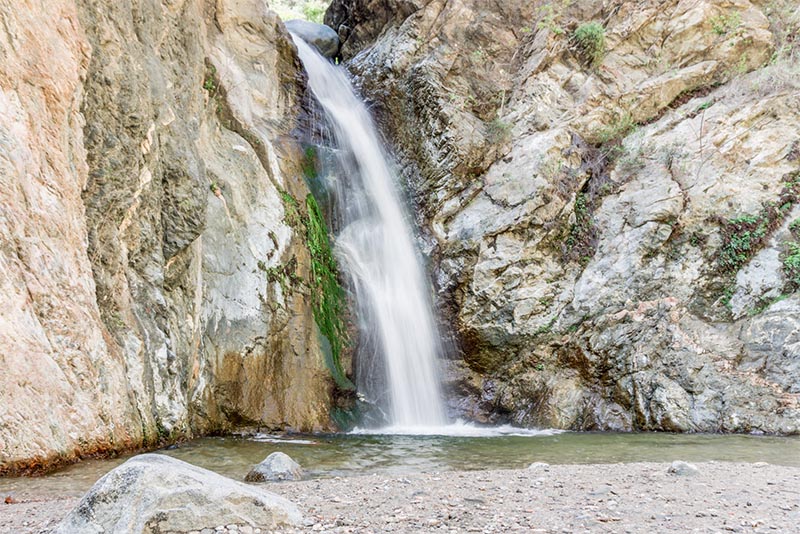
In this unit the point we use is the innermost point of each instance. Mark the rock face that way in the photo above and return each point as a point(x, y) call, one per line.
point(320, 36)
point(275, 468)
point(150, 263)
point(612, 218)
point(156, 493)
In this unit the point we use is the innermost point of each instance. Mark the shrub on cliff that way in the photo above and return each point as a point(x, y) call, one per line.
point(590, 40)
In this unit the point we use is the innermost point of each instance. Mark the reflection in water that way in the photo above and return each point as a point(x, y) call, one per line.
point(350, 455)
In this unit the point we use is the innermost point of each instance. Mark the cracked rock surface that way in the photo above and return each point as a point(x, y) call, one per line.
point(143, 146)
point(610, 242)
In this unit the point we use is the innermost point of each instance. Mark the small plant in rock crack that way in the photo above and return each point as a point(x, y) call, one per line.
point(726, 23)
point(549, 20)
point(498, 131)
point(791, 257)
point(791, 264)
point(590, 40)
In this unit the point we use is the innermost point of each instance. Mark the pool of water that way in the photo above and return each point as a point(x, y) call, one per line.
point(360, 454)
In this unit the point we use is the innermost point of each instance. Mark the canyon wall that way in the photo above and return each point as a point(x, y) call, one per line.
point(146, 165)
point(609, 193)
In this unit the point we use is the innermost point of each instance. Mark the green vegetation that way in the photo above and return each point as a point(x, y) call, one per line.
point(705, 105)
point(285, 275)
point(309, 163)
point(620, 127)
point(579, 243)
point(791, 257)
point(549, 20)
point(791, 264)
point(327, 296)
point(590, 40)
point(291, 209)
point(726, 23)
point(744, 236)
point(498, 131)
point(210, 80)
point(328, 299)
point(546, 328)
point(766, 303)
point(311, 10)
point(478, 55)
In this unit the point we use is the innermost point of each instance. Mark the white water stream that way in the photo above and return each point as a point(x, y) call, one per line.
point(399, 343)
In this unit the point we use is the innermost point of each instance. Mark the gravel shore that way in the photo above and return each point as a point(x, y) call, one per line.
point(615, 498)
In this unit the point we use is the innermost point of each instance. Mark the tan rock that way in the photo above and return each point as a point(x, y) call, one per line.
point(144, 153)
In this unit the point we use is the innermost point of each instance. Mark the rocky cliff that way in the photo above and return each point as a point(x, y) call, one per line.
point(609, 191)
point(149, 224)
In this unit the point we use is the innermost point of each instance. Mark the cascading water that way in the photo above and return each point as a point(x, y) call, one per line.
point(376, 250)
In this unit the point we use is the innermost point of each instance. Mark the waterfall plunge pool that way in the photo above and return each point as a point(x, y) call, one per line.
point(332, 455)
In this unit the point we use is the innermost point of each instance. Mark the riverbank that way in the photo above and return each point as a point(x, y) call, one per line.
point(643, 497)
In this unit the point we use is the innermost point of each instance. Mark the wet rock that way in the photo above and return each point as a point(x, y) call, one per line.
point(276, 467)
point(577, 223)
point(322, 37)
point(156, 493)
point(683, 469)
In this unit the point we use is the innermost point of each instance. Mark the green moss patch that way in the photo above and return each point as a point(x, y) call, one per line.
point(328, 299)
point(327, 296)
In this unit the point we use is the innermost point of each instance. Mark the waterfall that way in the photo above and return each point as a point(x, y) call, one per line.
point(399, 343)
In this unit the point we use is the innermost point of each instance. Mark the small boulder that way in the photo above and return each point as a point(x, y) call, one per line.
point(276, 467)
point(157, 493)
point(539, 465)
point(683, 469)
point(322, 37)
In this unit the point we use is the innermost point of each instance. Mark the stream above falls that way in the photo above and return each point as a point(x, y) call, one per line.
point(395, 455)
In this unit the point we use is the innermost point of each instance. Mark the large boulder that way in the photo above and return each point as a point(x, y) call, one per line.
point(324, 38)
point(156, 493)
point(276, 467)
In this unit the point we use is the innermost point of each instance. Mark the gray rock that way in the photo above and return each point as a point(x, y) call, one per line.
point(539, 465)
point(683, 469)
point(636, 295)
point(324, 38)
point(156, 493)
point(276, 467)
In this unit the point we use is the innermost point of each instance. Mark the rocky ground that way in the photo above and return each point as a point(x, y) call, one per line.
point(645, 497)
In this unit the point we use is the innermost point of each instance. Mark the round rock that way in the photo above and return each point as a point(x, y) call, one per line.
point(322, 37)
point(683, 469)
point(275, 468)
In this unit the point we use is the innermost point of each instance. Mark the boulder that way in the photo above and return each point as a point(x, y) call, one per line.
point(539, 466)
point(324, 38)
point(156, 493)
point(683, 469)
point(277, 467)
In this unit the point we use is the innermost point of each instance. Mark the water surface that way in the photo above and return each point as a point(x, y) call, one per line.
point(394, 455)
